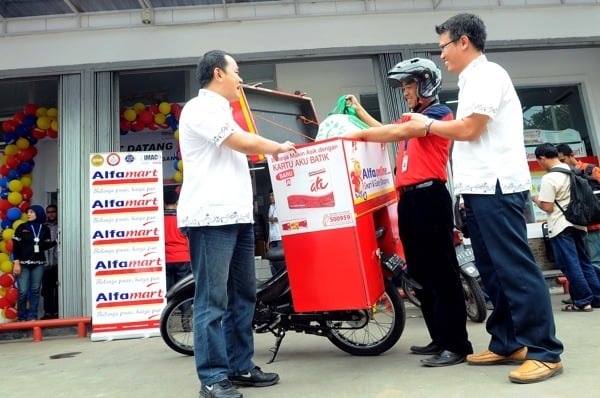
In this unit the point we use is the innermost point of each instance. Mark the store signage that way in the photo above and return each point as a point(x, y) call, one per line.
point(126, 244)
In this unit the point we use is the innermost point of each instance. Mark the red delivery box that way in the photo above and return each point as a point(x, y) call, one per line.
point(326, 195)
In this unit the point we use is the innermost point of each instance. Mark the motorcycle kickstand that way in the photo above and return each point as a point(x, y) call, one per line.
point(279, 334)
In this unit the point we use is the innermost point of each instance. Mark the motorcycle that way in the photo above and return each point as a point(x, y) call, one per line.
point(469, 276)
point(362, 332)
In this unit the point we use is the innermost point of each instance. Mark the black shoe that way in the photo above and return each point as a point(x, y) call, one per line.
point(429, 349)
point(222, 389)
point(567, 301)
point(255, 378)
point(444, 358)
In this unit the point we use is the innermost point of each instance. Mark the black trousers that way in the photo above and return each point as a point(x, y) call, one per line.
point(50, 290)
point(426, 229)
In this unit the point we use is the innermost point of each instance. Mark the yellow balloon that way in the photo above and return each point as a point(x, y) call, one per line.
point(129, 115)
point(23, 216)
point(8, 234)
point(43, 122)
point(176, 134)
point(164, 108)
point(2, 289)
point(14, 198)
point(3, 257)
point(54, 125)
point(180, 165)
point(52, 113)
point(26, 180)
point(41, 111)
point(4, 159)
point(6, 266)
point(15, 185)
point(160, 118)
point(23, 143)
point(3, 247)
point(178, 176)
point(138, 107)
point(15, 224)
point(11, 149)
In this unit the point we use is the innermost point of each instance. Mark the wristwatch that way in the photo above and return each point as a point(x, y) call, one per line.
point(428, 124)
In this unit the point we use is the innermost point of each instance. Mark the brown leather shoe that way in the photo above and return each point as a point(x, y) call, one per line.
point(490, 358)
point(533, 371)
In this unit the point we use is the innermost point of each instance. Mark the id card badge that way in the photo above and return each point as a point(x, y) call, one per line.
point(404, 162)
point(36, 248)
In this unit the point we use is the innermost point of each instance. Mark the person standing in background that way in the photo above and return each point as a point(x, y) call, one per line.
point(274, 228)
point(177, 252)
point(30, 240)
point(50, 279)
point(592, 239)
point(490, 171)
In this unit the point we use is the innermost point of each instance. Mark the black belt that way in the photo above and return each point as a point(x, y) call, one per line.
point(420, 185)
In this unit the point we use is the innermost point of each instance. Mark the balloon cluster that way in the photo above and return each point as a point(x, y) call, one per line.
point(153, 117)
point(21, 133)
point(163, 116)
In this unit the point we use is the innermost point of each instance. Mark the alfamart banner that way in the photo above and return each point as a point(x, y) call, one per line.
point(127, 244)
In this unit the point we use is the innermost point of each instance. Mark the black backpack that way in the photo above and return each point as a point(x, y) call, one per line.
point(584, 207)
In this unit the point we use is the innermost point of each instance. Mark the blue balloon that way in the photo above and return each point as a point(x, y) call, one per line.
point(30, 120)
point(175, 165)
point(13, 214)
point(4, 194)
point(4, 182)
point(32, 140)
point(21, 130)
point(6, 223)
point(24, 168)
point(10, 138)
point(14, 174)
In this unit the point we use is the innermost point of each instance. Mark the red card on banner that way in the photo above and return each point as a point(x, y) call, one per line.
point(243, 117)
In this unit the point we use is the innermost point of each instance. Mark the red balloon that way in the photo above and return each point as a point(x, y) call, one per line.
point(12, 294)
point(31, 150)
point(8, 126)
point(146, 117)
point(137, 125)
point(4, 169)
point(5, 204)
point(9, 247)
point(23, 206)
point(27, 194)
point(38, 133)
point(125, 124)
point(4, 303)
point(52, 133)
point(7, 280)
point(153, 126)
point(13, 162)
point(30, 109)
point(11, 313)
point(23, 155)
point(153, 109)
point(176, 110)
point(19, 117)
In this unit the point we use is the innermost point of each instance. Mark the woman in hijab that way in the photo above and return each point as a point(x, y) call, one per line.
point(30, 240)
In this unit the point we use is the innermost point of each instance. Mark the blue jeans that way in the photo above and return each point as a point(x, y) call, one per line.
point(522, 314)
point(573, 261)
point(30, 284)
point(592, 244)
point(225, 297)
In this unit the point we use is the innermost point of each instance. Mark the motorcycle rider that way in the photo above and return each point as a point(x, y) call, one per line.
point(425, 213)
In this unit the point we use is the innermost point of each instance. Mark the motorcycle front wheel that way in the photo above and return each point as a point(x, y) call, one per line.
point(177, 325)
point(474, 299)
point(382, 330)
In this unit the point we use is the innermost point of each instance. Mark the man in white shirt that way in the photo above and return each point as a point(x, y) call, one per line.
point(216, 213)
point(491, 173)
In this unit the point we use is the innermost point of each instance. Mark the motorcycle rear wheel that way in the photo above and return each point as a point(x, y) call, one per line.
point(387, 319)
point(177, 325)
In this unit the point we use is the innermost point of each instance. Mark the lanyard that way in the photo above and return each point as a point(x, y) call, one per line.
point(36, 237)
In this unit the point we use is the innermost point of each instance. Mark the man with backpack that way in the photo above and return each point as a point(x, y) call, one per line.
point(566, 238)
point(592, 239)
